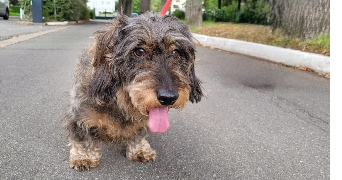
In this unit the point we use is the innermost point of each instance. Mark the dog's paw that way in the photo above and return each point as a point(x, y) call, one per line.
point(143, 156)
point(85, 164)
point(146, 156)
point(140, 152)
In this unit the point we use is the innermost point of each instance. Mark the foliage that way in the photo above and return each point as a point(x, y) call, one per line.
point(210, 4)
point(14, 2)
point(156, 4)
point(136, 7)
point(66, 10)
point(261, 14)
point(179, 14)
point(226, 14)
point(15, 9)
point(92, 14)
point(26, 6)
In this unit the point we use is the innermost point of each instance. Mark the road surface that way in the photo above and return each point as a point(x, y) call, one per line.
point(258, 120)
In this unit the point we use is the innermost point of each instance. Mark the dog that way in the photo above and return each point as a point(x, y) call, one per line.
point(132, 74)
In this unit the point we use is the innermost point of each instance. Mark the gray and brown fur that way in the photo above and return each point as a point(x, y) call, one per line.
point(114, 88)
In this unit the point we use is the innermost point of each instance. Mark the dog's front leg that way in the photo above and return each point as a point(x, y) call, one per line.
point(84, 155)
point(140, 150)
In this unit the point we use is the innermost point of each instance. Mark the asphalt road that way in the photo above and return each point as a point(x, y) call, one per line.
point(259, 120)
point(12, 28)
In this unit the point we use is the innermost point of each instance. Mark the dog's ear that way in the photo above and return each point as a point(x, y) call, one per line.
point(106, 76)
point(195, 84)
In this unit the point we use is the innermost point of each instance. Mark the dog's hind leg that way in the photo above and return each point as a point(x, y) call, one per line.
point(84, 156)
point(140, 151)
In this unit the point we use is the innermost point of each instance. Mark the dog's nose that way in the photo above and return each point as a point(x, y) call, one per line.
point(166, 97)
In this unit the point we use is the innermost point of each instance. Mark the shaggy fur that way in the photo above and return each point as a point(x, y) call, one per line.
point(116, 85)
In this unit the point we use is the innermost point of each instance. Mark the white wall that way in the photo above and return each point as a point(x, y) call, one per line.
point(102, 5)
point(179, 3)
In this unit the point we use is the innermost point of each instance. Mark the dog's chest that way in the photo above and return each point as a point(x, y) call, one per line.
point(112, 130)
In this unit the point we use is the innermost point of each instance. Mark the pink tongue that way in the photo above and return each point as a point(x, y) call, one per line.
point(158, 119)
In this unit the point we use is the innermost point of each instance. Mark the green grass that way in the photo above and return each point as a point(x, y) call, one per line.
point(318, 42)
point(14, 14)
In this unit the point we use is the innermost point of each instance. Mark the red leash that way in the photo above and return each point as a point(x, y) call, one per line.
point(166, 6)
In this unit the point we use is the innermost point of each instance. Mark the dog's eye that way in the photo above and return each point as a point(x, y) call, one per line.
point(175, 53)
point(139, 52)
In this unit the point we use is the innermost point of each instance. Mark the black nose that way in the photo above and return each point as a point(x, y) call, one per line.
point(166, 97)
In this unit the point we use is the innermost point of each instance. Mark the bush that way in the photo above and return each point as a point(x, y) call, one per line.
point(209, 15)
point(15, 9)
point(179, 14)
point(260, 15)
point(226, 14)
point(92, 14)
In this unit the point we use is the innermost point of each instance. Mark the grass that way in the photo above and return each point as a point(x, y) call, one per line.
point(264, 35)
point(14, 14)
point(320, 43)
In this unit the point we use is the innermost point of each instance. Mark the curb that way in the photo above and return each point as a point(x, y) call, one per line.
point(65, 23)
point(318, 63)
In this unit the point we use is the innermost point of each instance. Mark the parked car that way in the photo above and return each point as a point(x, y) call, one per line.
point(4, 9)
point(134, 15)
point(115, 15)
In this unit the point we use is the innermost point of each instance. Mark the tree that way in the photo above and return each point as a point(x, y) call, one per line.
point(14, 2)
point(304, 19)
point(144, 6)
point(125, 7)
point(193, 12)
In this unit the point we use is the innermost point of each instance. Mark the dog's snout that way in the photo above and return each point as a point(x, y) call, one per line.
point(166, 97)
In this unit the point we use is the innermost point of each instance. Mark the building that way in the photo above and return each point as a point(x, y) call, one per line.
point(178, 4)
point(101, 5)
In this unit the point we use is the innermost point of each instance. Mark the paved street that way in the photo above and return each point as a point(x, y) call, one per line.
point(259, 120)
point(11, 28)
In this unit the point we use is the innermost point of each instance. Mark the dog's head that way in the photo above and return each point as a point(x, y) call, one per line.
point(147, 63)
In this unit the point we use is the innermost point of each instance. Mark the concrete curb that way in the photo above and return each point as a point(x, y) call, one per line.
point(318, 63)
point(65, 23)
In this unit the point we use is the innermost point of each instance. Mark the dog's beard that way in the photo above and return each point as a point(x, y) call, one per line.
point(143, 97)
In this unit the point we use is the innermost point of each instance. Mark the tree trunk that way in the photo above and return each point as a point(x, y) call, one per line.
point(126, 7)
point(305, 19)
point(193, 12)
point(219, 4)
point(144, 6)
point(239, 5)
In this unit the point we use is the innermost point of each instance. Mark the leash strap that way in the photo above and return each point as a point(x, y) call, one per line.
point(166, 6)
